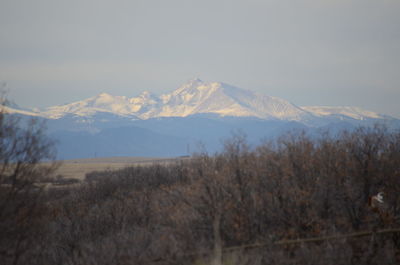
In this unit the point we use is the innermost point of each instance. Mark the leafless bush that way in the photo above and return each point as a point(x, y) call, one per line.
point(22, 148)
point(201, 210)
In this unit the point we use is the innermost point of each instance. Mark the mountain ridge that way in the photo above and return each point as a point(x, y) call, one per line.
point(199, 97)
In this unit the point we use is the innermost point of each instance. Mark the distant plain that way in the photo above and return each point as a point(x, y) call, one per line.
point(78, 168)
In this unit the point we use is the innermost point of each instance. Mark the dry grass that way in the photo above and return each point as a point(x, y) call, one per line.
point(77, 168)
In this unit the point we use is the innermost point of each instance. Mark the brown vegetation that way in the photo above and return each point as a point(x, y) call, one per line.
point(21, 208)
point(241, 206)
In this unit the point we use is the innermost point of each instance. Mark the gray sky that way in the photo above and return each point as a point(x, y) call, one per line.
point(310, 52)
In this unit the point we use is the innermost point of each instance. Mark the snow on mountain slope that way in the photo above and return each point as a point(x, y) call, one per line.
point(119, 105)
point(104, 102)
point(197, 97)
point(352, 112)
point(10, 107)
point(145, 105)
point(13, 110)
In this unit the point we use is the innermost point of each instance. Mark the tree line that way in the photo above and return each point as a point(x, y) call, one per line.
point(193, 210)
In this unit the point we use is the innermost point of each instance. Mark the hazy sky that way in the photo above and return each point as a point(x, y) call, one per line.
point(310, 52)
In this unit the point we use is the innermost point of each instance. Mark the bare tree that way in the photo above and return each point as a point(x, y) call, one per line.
point(23, 146)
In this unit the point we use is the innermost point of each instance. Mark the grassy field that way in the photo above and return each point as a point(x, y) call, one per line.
point(77, 168)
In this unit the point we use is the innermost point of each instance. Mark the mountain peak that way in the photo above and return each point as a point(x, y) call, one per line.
point(189, 85)
point(104, 94)
point(104, 99)
point(196, 86)
point(147, 95)
point(195, 80)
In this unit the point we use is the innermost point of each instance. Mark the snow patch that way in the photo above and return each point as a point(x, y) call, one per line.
point(352, 112)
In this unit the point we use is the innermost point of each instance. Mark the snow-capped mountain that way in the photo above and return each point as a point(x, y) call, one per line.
point(199, 97)
point(194, 97)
